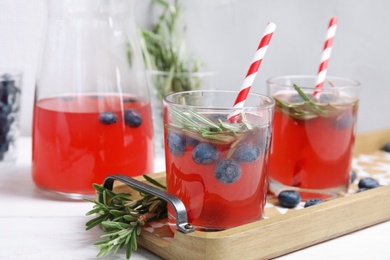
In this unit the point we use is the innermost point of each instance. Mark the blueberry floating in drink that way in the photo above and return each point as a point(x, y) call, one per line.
point(246, 153)
point(176, 144)
point(108, 118)
point(132, 118)
point(191, 141)
point(130, 100)
point(344, 120)
point(227, 171)
point(205, 153)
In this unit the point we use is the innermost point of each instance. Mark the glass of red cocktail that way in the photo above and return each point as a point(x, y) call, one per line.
point(218, 168)
point(313, 135)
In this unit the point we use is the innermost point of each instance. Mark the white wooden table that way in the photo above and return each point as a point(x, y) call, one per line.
point(35, 227)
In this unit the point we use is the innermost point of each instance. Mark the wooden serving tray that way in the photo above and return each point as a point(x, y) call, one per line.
point(285, 230)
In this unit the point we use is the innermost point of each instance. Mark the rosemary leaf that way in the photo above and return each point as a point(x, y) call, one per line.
point(204, 120)
point(153, 181)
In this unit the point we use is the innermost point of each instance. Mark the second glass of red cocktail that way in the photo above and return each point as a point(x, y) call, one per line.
point(217, 167)
point(313, 135)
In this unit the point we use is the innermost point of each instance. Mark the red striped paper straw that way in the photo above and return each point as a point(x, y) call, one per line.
point(326, 52)
point(252, 71)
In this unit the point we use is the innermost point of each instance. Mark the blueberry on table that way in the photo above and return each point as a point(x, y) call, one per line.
point(353, 176)
point(108, 118)
point(205, 154)
point(246, 153)
point(362, 189)
point(368, 183)
point(176, 144)
point(289, 198)
point(227, 171)
point(312, 202)
point(132, 118)
point(386, 147)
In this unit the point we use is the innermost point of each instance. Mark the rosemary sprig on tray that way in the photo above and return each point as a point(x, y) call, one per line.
point(122, 218)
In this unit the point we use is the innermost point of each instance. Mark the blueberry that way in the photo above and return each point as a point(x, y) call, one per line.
point(353, 176)
point(368, 183)
point(5, 109)
point(217, 117)
point(176, 144)
point(362, 189)
point(7, 88)
point(312, 202)
point(205, 153)
point(246, 153)
point(108, 118)
point(191, 141)
point(344, 120)
point(130, 100)
point(327, 98)
point(289, 198)
point(132, 118)
point(386, 147)
point(295, 98)
point(227, 171)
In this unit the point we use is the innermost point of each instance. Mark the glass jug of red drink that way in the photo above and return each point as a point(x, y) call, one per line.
point(92, 114)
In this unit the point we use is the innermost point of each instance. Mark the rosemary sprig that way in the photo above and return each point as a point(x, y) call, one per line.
point(199, 126)
point(305, 97)
point(122, 218)
point(306, 109)
point(164, 49)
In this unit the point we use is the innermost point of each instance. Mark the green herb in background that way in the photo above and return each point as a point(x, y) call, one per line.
point(164, 49)
point(122, 218)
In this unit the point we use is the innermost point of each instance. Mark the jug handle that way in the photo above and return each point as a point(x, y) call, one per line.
point(180, 210)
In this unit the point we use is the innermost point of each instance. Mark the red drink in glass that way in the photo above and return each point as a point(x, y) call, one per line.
point(311, 149)
point(219, 172)
point(74, 147)
point(210, 202)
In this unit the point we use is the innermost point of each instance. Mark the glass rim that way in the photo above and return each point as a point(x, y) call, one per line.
point(349, 82)
point(269, 105)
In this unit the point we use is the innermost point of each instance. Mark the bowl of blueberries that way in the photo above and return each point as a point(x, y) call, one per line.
point(10, 94)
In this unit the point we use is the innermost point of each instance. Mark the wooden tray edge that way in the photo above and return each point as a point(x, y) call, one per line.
point(370, 141)
point(263, 239)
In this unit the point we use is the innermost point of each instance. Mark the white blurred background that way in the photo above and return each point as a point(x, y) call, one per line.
point(224, 34)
